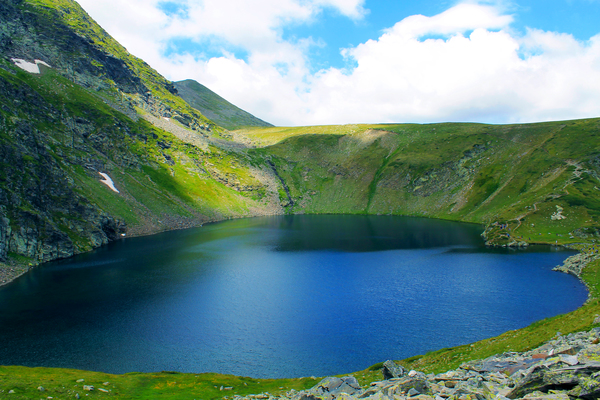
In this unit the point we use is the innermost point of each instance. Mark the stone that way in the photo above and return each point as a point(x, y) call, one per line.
point(571, 360)
point(89, 388)
point(41, 388)
point(103, 390)
point(80, 380)
point(392, 370)
point(413, 392)
point(546, 396)
point(333, 386)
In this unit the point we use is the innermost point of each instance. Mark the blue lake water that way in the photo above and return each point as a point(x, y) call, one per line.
point(280, 296)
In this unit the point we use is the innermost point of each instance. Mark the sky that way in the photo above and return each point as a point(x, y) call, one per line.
point(317, 62)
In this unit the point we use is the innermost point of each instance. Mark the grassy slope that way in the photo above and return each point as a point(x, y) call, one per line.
point(194, 187)
point(215, 107)
point(159, 99)
point(510, 174)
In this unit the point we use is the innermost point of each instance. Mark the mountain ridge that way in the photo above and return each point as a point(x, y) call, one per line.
point(215, 107)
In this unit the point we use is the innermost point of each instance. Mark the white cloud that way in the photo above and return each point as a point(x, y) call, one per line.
point(465, 64)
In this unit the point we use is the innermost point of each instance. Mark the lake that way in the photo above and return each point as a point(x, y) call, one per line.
point(281, 296)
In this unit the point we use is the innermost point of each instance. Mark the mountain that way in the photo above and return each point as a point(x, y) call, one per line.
point(74, 105)
point(527, 183)
point(79, 113)
point(215, 107)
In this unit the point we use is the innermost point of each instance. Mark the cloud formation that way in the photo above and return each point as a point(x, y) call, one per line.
point(464, 64)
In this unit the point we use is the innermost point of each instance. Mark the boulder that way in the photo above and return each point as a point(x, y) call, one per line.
point(392, 370)
point(332, 386)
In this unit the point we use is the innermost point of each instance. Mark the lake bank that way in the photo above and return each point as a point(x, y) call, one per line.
point(357, 271)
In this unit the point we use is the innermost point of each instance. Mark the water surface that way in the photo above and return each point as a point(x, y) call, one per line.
point(278, 296)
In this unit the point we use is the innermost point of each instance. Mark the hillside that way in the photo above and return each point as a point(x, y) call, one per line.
point(511, 178)
point(89, 107)
point(216, 108)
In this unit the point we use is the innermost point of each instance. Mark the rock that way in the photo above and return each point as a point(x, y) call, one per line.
point(89, 388)
point(77, 396)
point(570, 360)
point(548, 372)
point(392, 370)
point(41, 388)
point(103, 390)
point(11, 391)
point(546, 396)
point(417, 382)
point(333, 386)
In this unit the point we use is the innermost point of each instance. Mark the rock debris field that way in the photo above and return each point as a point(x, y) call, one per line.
point(567, 367)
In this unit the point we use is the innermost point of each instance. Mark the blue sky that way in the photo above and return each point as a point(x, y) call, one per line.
point(306, 62)
point(581, 18)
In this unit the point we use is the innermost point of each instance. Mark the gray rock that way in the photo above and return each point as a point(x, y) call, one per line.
point(332, 386)
point(392, 370)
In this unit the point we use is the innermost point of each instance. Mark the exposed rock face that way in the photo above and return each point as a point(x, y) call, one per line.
point(575, 264)
point(565, 368)
point(69, 52)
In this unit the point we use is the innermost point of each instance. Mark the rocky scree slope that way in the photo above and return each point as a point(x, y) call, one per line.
point(564, 368)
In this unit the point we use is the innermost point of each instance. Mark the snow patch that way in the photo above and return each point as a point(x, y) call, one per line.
point(33, 67)
point(108, 182)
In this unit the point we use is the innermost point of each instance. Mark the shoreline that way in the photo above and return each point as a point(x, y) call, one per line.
point(12, 270)
point(574, 265)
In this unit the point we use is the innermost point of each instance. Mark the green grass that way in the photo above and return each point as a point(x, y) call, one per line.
point(63, 383)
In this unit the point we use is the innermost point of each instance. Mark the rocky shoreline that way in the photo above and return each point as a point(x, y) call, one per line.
point(10, 272)
point(564, 368)
point(575, 264)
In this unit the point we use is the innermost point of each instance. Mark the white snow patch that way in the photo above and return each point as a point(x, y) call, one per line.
point(28, 66)
point(166, 119)
point(108, 182)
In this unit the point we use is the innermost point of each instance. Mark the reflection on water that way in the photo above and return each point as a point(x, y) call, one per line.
point(278, 296)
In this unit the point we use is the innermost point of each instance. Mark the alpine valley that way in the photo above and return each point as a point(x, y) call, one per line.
point(96, 145)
